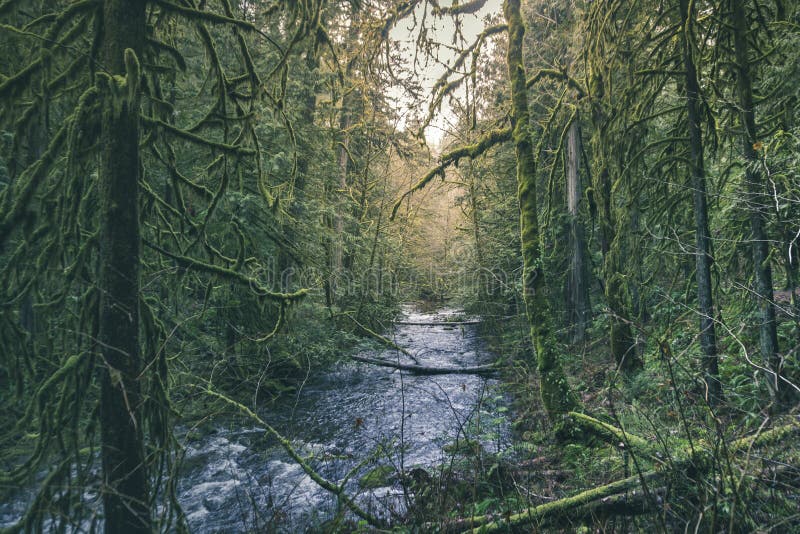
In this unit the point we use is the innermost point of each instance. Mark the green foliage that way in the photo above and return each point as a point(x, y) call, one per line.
point(233, 196)
point(378, 477)
point(271, 163)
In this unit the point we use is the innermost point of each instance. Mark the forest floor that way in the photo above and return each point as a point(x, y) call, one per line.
point(733, 489)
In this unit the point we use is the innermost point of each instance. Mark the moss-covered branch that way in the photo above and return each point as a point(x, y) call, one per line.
point(767, 437)
point(443, 87)
point(557, 75)
point(492, 138)
point(386, 342)
point(31, 179)
point(22, 78)
point(206, 16)
point(188, 136)
point(470, 7)
point(231, 275)
point(609, 433)
point(287, 446)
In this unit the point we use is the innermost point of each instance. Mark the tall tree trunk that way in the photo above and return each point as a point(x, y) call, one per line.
point(308, 99)
point(366, 291)
point(579, 286)
point(556, 396)
point(343, 160)
point(703, 255)
point(756, 191)
point(622, 345)
point(620, 336)
point(338, 251)
point(126, 498)
point(483, 286)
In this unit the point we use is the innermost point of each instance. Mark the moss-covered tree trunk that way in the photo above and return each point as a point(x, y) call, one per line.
point(556, 396)
point(620, 335)
point(703, 253)
point(756, 191)
point(343, 164)
point(126, 498)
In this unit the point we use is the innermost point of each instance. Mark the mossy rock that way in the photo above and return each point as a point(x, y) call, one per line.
point(379, 477)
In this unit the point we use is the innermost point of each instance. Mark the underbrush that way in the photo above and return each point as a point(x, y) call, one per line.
point(691, 466)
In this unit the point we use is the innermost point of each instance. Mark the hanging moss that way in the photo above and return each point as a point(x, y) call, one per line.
point(69, 84)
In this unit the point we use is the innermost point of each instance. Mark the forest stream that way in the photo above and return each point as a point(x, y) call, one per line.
point(387, 420)
point(215, 215)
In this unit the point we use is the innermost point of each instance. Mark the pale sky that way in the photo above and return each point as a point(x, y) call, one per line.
point(427, 74)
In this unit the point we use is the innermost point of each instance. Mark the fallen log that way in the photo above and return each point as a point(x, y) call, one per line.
point(436, 323)
point(611, 434)
point(629, 504)
point(595, 499)
point(425, 370)
point(575, 507)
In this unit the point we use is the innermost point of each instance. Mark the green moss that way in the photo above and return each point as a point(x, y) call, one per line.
point(379, 477)
point(555, 392)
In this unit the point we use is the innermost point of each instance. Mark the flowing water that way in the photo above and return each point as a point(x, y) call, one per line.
point(354, 418)
point(355, 413)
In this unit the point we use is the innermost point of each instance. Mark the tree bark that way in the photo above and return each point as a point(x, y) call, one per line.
point(287, 261)
point(756, 190)
point(126, 498)
point(339, 248)
point(621, 337)
point(556, 396)
point(342, 162)
point(578, 282)
point(703, 254)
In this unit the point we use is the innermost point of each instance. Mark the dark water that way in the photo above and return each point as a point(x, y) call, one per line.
point(237, 480)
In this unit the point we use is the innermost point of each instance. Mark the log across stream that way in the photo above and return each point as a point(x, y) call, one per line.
point(428, 369)
point(358, 416)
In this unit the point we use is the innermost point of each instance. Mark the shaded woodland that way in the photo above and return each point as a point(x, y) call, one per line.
point(205, 202)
